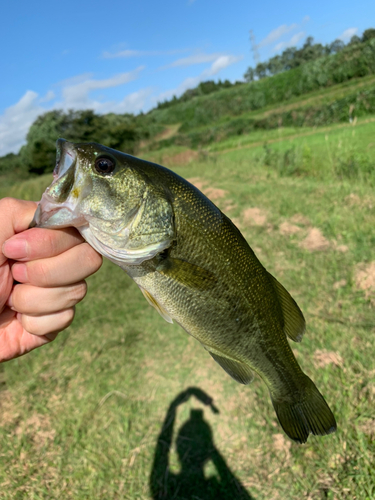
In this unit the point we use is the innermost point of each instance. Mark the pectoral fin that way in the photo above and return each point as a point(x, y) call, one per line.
point(238, 371)
point(294, 322)
point(187, 274)
point(154, 303)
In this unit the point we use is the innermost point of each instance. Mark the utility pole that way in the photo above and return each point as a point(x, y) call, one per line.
point(254, 48)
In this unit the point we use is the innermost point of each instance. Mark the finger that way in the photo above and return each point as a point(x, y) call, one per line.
point(38, 243)
point(47, 324)
point(68, 268)
point(36, 301)
point(15, 216)
point(6, 283)
point(15, 341)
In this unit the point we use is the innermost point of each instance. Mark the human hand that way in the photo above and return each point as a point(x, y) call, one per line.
point(50, 267)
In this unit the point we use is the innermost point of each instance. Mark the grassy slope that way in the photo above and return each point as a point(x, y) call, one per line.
point(354, 61)
point(218, 119)
point(81, 417)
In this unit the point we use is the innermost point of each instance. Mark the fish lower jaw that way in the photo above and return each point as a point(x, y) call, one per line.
point(51, 214)
point(123, 256)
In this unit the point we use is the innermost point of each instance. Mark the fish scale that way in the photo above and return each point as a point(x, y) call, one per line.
point(193, 266)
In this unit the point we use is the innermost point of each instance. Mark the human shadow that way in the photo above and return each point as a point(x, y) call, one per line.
point(195, 448)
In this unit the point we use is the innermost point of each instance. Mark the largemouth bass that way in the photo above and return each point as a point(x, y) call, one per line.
point(193, 266)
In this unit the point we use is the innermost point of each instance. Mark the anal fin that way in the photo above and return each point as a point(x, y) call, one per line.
point(154, 303)
point(294, 322)
point(238, 371)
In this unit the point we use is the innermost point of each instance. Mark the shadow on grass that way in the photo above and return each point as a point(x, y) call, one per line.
point(195, 449)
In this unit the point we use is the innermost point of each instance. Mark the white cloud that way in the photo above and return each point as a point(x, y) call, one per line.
point(199, 58)
point(48, 97)
point(77, 96)
point(306, 19)
point(276, 34)
point(218, 65)
point(16, 120)
point(139, 53)
point(125, 53)
point(290, 43)
point(347, 34)
point(221, 63)
point(131, 103)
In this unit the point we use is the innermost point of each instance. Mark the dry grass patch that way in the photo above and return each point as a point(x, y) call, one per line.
point(182, 158)
point(339, 284)
point(300, 219)
point(368, 427)
point(364, 202)
point(365, 278)
point(288, 229)
point(315, 241)
point(324, 358)
point(254, 216)
point(215, 193)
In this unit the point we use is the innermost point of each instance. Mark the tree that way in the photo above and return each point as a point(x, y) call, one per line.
point(11, 166)
point(261, 70)
point(115, 131)
point(336, 46)
point(368, 34)
point(275, 65)
point(288, 58)
point(249, 75)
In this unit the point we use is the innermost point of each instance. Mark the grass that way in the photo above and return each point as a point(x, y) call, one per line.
point(82, 417)
point(344, 103)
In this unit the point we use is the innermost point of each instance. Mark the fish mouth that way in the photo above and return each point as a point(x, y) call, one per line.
point(50, 214)
point(57, 209)
point(65, 158)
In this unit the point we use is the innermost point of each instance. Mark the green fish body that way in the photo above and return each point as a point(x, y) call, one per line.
point(193, 265)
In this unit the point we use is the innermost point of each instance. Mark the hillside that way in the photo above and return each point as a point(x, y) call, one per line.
point(353, 62)
point(331, 89)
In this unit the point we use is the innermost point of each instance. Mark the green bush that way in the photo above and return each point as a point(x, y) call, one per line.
point(356, 166)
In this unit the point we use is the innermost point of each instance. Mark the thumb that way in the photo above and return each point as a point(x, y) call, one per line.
point(15, 216)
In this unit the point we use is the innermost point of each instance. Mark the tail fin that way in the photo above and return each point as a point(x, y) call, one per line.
point(309, 413)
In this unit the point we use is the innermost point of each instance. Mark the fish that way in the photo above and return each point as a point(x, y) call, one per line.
point(193, 265)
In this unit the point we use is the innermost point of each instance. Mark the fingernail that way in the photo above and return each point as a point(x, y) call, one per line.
point(9, 302)
point(19, 272)
point(15, 248)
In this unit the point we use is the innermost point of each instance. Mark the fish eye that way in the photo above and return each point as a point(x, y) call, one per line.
point(104, 165)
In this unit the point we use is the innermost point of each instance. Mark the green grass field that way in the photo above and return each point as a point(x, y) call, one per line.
point(82, 418)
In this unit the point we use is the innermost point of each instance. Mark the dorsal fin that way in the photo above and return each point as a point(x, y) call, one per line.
point(294, 322)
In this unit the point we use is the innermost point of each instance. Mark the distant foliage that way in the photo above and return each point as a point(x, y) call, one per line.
point(345, 109)
point(203, 88)
point(120, 132)
point(357, 60)
point(11, 168)
point(293, 58)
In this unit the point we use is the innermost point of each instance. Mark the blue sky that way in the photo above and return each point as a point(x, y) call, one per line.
point(125, 56)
